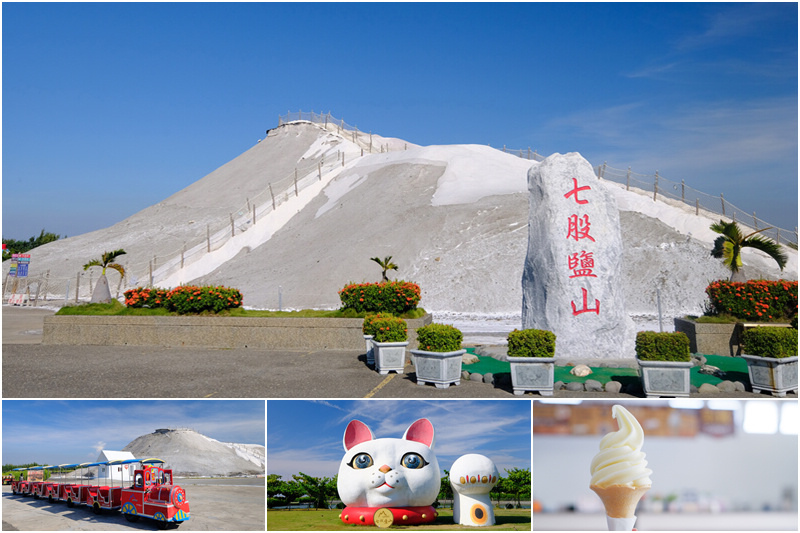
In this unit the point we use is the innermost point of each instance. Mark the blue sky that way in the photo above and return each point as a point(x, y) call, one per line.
point(306, 436)
point(74, 431)
point(109, 108)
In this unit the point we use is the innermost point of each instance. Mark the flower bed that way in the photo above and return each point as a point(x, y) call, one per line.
point(185, 299)
point(395, 297)
point(759, 300)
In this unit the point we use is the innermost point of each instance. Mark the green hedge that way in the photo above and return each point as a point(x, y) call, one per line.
point(655, 346)
point(395, 297)
point(531, 343)
point(770, 342)
point(439, 338)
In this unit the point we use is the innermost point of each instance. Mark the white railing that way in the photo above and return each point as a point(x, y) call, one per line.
point(659, 188)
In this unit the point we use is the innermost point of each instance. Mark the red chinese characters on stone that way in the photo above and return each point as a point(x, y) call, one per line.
point(581, 264)
point(575, 190)
point(586, 308)
point(578, 228)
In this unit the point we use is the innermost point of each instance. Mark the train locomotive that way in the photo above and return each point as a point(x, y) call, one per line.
point(151, 495)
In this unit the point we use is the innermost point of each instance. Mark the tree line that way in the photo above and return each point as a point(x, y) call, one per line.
point(318, 492)
point(20, 247)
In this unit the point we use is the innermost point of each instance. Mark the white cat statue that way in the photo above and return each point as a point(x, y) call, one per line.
point(472, 477)
point(388, 481)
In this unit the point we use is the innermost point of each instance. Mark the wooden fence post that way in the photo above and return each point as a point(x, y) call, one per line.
point(296, 194)
point(254, 214)
point(183, 253)
point(208, 238)
point(232, 227)
point(697, 206)
point(655, 187)
point(628, 180)
point(77, 287)
point(683, 191)
point(722, 199)
point(319, 170)
point(272, 195)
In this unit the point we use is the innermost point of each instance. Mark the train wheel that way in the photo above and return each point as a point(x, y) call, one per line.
point(70, 503)
point(162, 524)
point(50, 498)
point(35, 496)
point(131, 517)
point(96, 508)
point(14, 491)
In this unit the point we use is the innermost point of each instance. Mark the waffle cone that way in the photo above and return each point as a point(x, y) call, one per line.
point(620, 500)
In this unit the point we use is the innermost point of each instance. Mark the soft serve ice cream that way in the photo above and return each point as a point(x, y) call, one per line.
point(619, 471)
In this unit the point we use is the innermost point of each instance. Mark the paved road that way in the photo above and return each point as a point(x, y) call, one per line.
point(239, 507)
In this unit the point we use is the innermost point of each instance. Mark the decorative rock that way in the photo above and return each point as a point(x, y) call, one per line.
point(707, 388)
point(739, 386)
point(699, 360)
point(476, 377)
point(726, 386)
point(469, 358)
point(465, 374)
point(613, 387)
point(574, 386)
point(581, 371)
point(558, 385)
point(693, 389)
point(488, 378)
point(592, 385)
point(572, 278)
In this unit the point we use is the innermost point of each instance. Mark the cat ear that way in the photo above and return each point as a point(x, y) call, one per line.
point(356, 433)
point(420, 431)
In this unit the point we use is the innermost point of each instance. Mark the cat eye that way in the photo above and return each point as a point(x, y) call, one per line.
point(413, 461)
point(361, 461)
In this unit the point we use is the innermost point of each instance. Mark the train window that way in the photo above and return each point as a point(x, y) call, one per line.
point(138, 481)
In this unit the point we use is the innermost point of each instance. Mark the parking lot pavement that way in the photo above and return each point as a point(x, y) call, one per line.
point(239, 507)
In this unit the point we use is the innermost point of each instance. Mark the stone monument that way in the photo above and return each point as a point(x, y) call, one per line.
point(571, 281)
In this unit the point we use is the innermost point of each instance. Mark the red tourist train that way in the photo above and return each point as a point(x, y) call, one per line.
point(151, 495)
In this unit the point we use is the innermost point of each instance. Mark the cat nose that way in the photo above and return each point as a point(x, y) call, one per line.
point(385, 468)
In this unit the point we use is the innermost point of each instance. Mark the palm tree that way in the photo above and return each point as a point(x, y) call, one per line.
point(728, 246)
point(102, 293)
point(386, 265)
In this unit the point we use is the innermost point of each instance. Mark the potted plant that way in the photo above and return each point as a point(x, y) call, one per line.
point(771, 359)
point(389, 343)
point(368, 329)
point(664, 363)
point(531, 355)
point(438, 358)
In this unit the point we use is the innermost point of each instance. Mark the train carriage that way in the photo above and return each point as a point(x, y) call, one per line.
point(152, 494)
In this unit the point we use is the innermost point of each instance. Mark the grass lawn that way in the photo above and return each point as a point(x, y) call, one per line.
point(328, 520)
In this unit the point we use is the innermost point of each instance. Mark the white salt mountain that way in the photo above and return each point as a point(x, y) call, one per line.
point(190, 453)
point(454, 218)
point(572, 281)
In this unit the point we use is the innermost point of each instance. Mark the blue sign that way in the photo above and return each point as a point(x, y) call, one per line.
point(22, 270)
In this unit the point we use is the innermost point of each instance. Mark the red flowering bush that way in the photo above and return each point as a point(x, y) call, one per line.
point(185, 299)
point(395, 297)
point(145, 297)
point(388, 328)
point(191, 299)
point(754, 300)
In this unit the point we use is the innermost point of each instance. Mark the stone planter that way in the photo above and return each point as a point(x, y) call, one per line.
point(532, 374)
point(439, 368)
point(776, 375)
point(389, 356)
point(370, 351)
point(710, 339)
point(665, 378)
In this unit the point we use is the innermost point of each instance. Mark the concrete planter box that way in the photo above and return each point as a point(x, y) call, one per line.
point(390, 356)
point(665, 378)
point(213, 332)
point(533, 374)
point(775, 375)
point(370, 351)
point(710, 339)
point(439, 368)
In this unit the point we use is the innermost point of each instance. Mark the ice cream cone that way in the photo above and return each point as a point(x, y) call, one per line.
point(620, 500)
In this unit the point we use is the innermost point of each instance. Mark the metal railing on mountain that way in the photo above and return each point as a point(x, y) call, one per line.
point(327, 121)
point(659, 188)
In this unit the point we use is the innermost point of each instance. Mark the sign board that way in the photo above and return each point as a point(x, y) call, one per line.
point(16, 299)
point(19, 265)
point(35, 475)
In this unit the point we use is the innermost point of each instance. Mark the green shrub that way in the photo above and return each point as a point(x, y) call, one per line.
point(145, 297)
point(531, 343)
point(389, 328)
point(439, 338)
point(757, 300)
point(396, 297)
point(655, 346)
point(770, 342)
point(369, 327)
